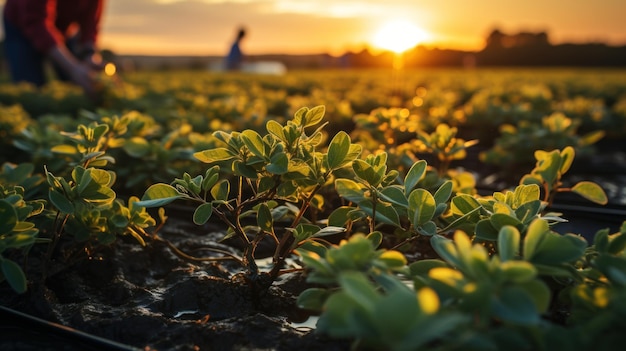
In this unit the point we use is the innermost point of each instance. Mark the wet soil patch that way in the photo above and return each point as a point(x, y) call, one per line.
point(147, 298)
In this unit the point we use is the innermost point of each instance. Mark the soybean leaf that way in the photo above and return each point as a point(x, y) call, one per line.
point(275, 129)
point(253, 142)
point(413, 176)
point(279, 164)
point(214, 155)
point(14, 275)
point(60, 202)
point(385, 213)
point(314, 116)
point(444, 192)
point(8, 217)
point(159, 195)
point(202, 213)
point(338, 150)
point(591, 191)
point(221, 190)
point(508, 243)
point(349, 190)
point(421, 206)
point(264, 218)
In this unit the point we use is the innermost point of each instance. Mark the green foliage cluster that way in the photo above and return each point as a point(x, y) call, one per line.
point(348, 210)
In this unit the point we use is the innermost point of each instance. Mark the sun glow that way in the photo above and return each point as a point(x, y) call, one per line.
point(399, 36)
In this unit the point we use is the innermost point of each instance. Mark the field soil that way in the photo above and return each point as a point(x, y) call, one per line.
point(147, 298)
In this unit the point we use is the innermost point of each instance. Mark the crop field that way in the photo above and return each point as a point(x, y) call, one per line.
point(511, 112)
point(409, 208)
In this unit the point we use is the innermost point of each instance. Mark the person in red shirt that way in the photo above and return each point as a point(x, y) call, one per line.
point(62, 31)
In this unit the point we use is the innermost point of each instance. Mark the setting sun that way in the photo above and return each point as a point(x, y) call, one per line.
point(398, 36)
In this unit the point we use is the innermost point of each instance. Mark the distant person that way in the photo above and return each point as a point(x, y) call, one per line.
point(235, 56)
point(61, 31)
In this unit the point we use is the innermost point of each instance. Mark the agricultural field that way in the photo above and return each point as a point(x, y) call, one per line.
point(488, 189)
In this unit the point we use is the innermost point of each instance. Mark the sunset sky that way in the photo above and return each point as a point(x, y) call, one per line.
point(206, 27)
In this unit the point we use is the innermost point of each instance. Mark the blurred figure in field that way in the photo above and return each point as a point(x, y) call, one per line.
point(61, 31)
point(235, 56)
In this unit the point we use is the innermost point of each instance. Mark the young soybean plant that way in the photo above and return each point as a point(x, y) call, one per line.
point(270, 178)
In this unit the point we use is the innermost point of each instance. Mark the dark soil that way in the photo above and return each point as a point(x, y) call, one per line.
point(147, 298)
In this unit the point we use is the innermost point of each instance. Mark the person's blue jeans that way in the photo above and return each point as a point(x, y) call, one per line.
point(26, 64)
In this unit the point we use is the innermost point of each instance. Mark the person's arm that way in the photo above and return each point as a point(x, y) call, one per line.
point(36, 18)
point(80, 73)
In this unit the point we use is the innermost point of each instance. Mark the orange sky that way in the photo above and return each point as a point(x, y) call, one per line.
point(206, 27)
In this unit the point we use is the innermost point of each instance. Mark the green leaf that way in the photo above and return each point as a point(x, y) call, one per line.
point(358, 286)
point(514, 305)
point(8, 217)
point(442, 195)
point(202, 213)
point(14, 275)
point(413, 176)
point(567, 158)
point(485, 230)
point(393, 259)
point(221, 190)
point(528, 211)
point(244, 170)
point(253, 142)
point(264, 218)
point(339, 217)
point(214, 155)
point(338, 150)
point(541, 246)
point(25, 238)
point(59, 201)
point(508, 243)
point(395, 195)
point(591, 191)
point(499, 220)
point(385, 213)
point(421, 206)
point(159, 195)
point(276, 129)
point(329, 230)
point(422, 267)
point(463, 204)
point(349, 190)
point(313, 299)
point(366, 172)
point(539, 292)
point(534, 235)
point(137, 147)
point(314, 116)
point(518, 271)
point(446, 249)
point(376, 238)
point(279, 164)
point(548, 165)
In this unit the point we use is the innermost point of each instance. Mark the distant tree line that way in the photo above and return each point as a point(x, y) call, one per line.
point(519, 49)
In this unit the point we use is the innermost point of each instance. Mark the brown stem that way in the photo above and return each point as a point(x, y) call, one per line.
point(284, 246)
point(178, 252)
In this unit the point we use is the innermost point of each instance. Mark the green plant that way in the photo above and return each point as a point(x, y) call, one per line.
point(17, 232)
point(354, 307)
point(86, 207)
point(443, 144)
point(548, 174)
point(272, 180)
point(513, 149)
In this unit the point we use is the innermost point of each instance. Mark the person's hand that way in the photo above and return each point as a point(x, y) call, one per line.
point(84, 76)
point(83, 73)
point(94, 61)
